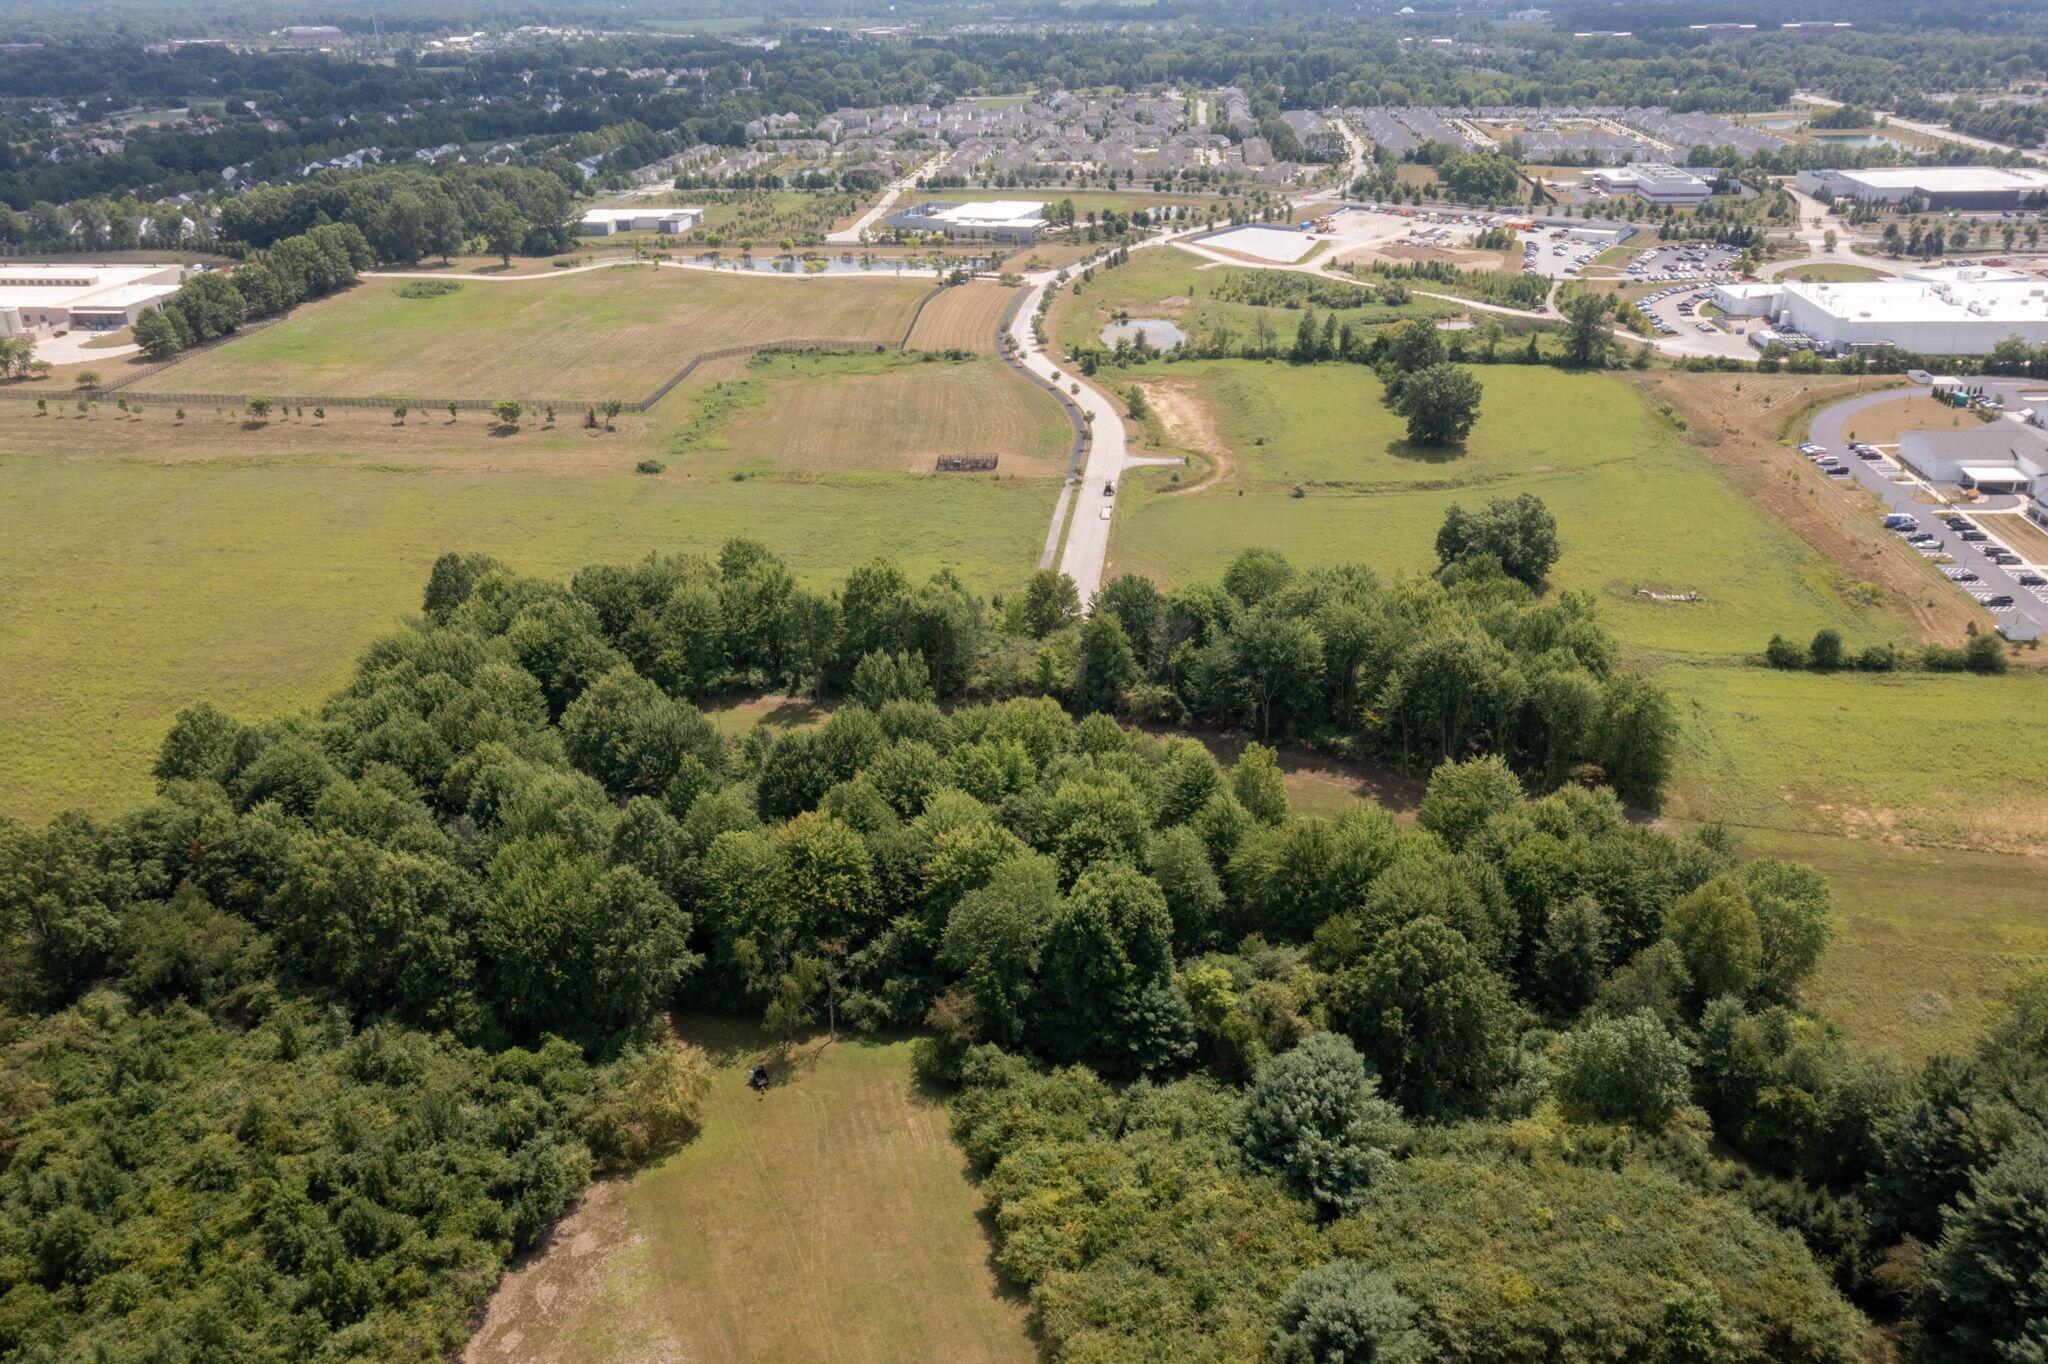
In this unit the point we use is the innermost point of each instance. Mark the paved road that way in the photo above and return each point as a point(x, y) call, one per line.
point(897, 189)
point(1830, 428)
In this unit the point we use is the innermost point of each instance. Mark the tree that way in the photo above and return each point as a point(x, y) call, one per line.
point(1256, 574)
point(1315, 1117)
point(1989, 1277)
point(1343, 1313)
point(1256, 782)
point(1624, 1070)
point(1716, 932)
point(994, 939)
point(1588, 334)
point(259, 408)
point(1051, 602)
point(1795, 920)
point(1416, 345)
point(1108, 944)
point(1430, 1017)
point(1517, 532)
point(1462, 796)
point(504, 231)
point(1633, 736)
point(507, 413)
point(1825, 653)
point(1107, 665)
point(156, 334)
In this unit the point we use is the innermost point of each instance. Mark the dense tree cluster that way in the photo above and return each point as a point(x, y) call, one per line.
point(208, 306)
point(407, 213)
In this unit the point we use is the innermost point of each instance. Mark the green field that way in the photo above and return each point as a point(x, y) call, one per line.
point(1636, 507)
point(1169, 283)
point(830, 1218)
point(1832, 274)
point(130, 587)
point(610, 333)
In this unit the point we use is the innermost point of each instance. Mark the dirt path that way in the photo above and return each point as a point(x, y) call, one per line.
point(1189, 421)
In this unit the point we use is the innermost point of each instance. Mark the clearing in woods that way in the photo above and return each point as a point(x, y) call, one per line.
point(810, 414)
point(614, 333)
point(829, 1218)
point(963, 317)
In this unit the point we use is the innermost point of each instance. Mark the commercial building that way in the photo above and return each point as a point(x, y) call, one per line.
point(1654, 183)
point(51, 298)
point(607, 222)
point(1996, 457)
point(1001, 220)
point(1938, 187)
point(1961, 311)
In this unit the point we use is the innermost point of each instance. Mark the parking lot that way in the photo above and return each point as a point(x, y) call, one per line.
point(1683, 261)
point(1963, 540)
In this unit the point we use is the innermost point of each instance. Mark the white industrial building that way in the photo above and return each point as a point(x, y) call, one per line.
point(52, 298)
point(1965, 310)
point(1994, 457)
point(1939, 187)
point(607, 222)
point(1002, 220)
point(1654, 183)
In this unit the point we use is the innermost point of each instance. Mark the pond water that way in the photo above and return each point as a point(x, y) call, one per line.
point(1158, 333)
point(1858, 140)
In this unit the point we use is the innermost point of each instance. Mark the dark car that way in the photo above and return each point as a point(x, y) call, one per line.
point(1972, 536)
point(2002, 599)
point(2030, 579)
point(1966, 576)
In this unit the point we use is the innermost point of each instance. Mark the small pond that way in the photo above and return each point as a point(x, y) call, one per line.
point(1858, 140)
point(1158, 333)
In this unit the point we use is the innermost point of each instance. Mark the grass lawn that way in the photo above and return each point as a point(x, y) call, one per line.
point(130, 587)
point(613, 333)
point(830, 1218)
point(1636, 508)
point(806, 415)
point(1170, 283)
point(963, 317)
point(1925, 938)
point(1833, 274)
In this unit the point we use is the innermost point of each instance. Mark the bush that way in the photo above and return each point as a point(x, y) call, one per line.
point(649, 466)
point(1826, 652)
point(1939, 658)
point(1878, 658)
point(1985, 653)
point(1783, 653)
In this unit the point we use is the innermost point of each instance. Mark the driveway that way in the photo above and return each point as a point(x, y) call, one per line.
point(897, 189)
point(1830, 428)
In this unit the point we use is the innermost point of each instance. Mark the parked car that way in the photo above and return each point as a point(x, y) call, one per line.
point(2000, 599)
point(2030, 579)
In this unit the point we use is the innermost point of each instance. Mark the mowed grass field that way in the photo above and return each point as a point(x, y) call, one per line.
point(1636, 508)
point(609, 333)
point(963, 317)
point(829, 1218)
point(805, 415)
point(131, 586)
point(1174, 285)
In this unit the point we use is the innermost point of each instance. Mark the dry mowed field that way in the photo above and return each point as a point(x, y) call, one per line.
point(810, 415)
point(964, 317)
point(830, 1218)
point(613, 333)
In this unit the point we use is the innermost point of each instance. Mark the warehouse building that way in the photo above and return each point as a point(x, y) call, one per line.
point(608, 222)
point(1654, 183)
point(52, 298)
point(1961, 311)
point(1997, 457)
point(1939, 187)
point(1001, 220)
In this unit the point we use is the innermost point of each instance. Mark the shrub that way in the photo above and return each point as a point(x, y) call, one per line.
point(1985, 653)
point(1826, 652)
point(1878, 658)
point(649, 466)
point(1783, 653)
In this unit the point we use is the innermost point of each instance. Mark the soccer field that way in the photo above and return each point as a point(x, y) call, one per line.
point(586, 337)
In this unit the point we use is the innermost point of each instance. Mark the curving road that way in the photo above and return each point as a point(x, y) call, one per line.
point(1830, 428)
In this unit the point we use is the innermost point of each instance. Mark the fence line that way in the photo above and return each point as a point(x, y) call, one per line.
point(904, 344)
point(429, 404)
